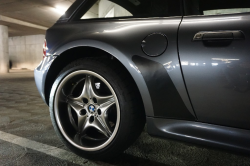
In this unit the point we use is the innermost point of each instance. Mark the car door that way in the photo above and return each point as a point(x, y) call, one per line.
point(214, 50)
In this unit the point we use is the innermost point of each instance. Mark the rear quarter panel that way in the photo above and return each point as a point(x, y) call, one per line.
point(122, 39)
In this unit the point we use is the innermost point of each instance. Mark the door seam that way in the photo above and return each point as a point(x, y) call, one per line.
point(178, 30)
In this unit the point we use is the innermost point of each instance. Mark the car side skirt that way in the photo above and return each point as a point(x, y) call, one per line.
point(200, 133)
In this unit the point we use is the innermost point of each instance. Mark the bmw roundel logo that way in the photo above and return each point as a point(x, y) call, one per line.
point(92, 108)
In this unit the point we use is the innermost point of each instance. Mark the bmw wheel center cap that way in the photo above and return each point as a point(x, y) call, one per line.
point(91, 108)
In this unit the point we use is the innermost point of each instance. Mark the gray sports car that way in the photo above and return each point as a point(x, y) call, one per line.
point(180, 66)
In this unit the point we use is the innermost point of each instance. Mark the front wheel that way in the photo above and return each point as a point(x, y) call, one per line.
point(96, 109)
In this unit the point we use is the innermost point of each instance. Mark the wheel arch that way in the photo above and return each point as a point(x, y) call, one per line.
point(84, 51)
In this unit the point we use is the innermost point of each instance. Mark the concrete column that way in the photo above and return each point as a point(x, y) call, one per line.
point(4, 49)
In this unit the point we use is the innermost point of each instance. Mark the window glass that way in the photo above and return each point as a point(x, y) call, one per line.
point(94, 9)
point(216, 7)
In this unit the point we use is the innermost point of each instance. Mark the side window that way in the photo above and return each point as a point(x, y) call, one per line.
point(100, 9)
point(216, 7)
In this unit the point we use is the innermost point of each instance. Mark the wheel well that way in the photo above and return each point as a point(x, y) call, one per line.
point(73, 54)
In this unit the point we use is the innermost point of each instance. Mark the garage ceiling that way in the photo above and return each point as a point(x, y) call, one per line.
point(40, 14)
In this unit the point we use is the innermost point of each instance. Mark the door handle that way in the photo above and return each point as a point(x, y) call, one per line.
point(218, 35)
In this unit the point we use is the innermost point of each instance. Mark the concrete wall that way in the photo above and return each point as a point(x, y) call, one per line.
point(26, 51)
point(226, 11)
point(4, 57)
point(106, 6)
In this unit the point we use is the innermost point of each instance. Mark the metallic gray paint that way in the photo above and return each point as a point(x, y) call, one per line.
point(166, 100)
point(200, 133)
point(113, 36)
point(40, 74)
point(154, 44)
point(122, 38)
point(208, 67)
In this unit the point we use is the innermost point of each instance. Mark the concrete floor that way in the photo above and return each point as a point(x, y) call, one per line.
point(27, 136)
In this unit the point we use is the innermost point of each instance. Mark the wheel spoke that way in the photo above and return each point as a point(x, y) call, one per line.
point(71, 118)
point(77, 138)
point(102, 126)
point(89, 92)
point(87, 89)
point(82, 123)
point(97, 124)
point(106, 105)
point(75, 103)
point(102, 100)
point(103, 118)
point(81, 119)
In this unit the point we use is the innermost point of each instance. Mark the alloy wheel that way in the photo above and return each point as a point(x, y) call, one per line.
point(87, 110)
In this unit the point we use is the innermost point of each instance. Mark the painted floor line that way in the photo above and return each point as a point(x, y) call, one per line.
point(43, 148)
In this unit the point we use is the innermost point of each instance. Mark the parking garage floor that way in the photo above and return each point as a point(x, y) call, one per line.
point(27, 136)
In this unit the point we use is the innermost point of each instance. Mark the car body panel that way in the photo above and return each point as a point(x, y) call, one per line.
point(165, 98)
point(112, 37)
point(40, 75)
point(209, 66)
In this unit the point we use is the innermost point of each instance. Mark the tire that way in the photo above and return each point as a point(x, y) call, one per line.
point(105, 132)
